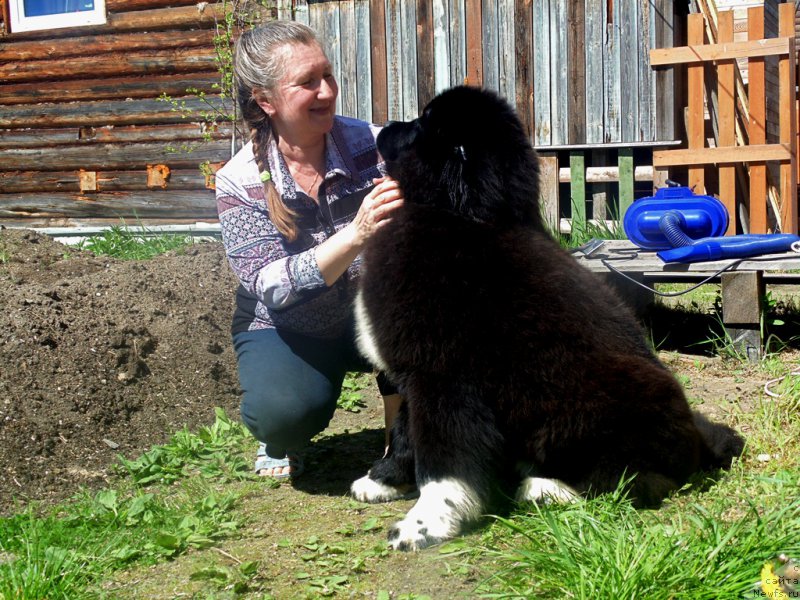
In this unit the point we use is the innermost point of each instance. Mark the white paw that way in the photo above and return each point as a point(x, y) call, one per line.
point(539, 489)
point(368, 490)
point(443, 507)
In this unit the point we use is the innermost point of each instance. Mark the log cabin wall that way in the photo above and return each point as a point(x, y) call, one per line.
point(84, 138)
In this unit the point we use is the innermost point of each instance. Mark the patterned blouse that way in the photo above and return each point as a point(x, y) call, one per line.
point(281, 284)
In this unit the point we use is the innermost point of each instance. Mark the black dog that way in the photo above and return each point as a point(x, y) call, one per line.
point(520, 369)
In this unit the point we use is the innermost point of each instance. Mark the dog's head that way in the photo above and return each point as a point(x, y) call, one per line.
point(466, 153)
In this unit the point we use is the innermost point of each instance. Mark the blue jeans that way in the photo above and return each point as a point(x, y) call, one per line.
point(290, 384)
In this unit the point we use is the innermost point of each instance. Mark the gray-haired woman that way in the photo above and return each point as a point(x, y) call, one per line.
point(296, 206)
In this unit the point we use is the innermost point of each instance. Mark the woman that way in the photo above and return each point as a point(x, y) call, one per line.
point(296, 206)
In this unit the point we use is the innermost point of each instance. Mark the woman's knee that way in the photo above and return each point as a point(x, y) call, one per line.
point(287, 418)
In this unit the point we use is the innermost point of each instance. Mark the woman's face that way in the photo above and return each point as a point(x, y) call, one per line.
point(303, 103)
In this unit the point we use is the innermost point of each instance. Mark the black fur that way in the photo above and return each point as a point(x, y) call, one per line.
point(506, 350)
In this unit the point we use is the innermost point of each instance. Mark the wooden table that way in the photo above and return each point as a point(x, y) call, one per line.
point(634, 271)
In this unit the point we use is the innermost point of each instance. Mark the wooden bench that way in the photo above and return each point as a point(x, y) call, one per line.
point(743, 281)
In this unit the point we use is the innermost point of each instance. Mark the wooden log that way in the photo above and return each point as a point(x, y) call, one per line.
point(177, 133)
point(112, 65)
point(150, 86)
point(111, 112)
point(607, 174)
point(111, 156)
point(33, 222)
point(15, 182)
point(179, 204)
point(198, 15)
point(115, 6)
point(102, 44)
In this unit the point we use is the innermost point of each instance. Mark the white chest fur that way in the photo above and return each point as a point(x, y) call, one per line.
point(365, 335)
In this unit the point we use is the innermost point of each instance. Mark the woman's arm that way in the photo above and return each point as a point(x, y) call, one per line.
point(335, 254)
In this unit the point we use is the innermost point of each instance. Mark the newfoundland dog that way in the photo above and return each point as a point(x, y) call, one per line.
point(523, 374)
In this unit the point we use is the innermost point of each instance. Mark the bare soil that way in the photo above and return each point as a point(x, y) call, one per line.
point(101, 357)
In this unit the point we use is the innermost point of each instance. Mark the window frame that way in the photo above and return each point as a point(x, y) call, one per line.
point(19, 22)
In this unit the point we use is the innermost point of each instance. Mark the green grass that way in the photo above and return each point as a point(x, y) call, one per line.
point(125, 243)
point(62, 551)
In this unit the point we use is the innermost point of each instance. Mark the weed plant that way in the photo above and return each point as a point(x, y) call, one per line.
point(125, 243)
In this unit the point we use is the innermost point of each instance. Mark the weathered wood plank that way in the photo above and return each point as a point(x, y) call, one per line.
point(490, 56)
point(440, 13)
point(695, 124)
point(14, 182)
point(150, 86)
point(757, 127)
point(103, 113)
point(711, 156)
point(726, 92)
point(787, 68)
point(118, 64)
point(176, 134)
point(408, 19)
point(394, 60)
point(595, 79)
point(542, 132)
point(548, 189)
point(457, 17)
point(93, 157)
point(524, 63)
point(506, 83)
point(172, 204)
point(471, 28)
point(612, 120)
point(646, 103)
point(576, 65)
point(626, 186)
point(692, 53)
point(577, 188)
point(629, 70)
point(115, 6)
point(559, 85)
point(348, 89)
point(607, 174)
point(102, 44)
point(378, 52)
point(426, 77)
point(664, 83)
point(301, 13)
point(362, 58)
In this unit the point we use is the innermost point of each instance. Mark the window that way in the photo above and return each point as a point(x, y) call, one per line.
point(30, 15)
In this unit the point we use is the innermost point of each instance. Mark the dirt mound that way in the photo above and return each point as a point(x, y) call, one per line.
point(100, 357)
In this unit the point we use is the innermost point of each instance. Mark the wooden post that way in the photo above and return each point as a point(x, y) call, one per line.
point(548, 190)
point(626, 186)
point(695, 119)
point(742, 294)
point(726, 93)
point(757, 128)
point(787, 69)
point(577, 188)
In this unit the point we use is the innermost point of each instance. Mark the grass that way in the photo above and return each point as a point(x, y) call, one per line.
point(125, 243)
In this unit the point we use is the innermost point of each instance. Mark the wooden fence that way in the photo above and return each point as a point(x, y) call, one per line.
point(741, 119)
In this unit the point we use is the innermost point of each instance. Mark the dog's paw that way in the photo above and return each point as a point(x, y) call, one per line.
point(443, 507)
point(369, 490)
point(539, 489)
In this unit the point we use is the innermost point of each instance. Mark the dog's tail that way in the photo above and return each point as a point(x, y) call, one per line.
point(723, 443)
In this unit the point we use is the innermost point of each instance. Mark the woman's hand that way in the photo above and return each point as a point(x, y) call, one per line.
point(376, 209)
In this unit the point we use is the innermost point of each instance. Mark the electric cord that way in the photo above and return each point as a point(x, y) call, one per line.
point(634, 254)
